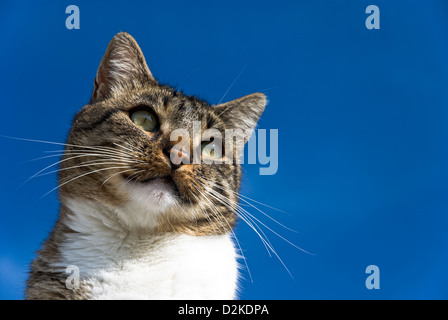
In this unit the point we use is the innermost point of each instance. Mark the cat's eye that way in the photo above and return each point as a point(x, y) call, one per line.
point(211, 150)
point(145, 119)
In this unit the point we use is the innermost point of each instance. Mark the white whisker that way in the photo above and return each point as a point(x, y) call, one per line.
point(261, 211)
point(83, 164)
point(115, 174)
point(70, 158)
point(232, 232)
point(253, 222)
point(231, 85)
point(82, 175)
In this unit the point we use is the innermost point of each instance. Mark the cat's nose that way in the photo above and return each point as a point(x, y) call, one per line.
point(177, 157)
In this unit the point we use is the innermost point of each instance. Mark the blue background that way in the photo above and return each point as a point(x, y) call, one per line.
point(362, 119)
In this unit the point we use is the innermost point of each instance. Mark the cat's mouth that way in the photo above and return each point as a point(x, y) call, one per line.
point(165, 179)
point(158, 187)
point(150, 195)
point(165, 182)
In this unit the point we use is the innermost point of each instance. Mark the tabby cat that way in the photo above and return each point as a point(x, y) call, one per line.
point(133, 222)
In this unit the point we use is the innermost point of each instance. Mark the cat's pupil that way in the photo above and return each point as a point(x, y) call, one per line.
point(208, 149)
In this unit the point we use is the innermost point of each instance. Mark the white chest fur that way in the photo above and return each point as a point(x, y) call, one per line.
point(118, 265)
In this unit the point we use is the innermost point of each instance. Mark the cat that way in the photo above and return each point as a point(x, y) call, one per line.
point(133, 222)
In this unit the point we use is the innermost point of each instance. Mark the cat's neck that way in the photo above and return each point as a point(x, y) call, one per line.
point(168, 265)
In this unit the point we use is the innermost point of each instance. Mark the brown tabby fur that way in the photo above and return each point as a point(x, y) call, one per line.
point(123, 83)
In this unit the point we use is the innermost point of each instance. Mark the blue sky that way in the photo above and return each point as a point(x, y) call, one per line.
point(361, 116)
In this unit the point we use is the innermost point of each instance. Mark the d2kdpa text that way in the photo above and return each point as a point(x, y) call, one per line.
point(244, 309)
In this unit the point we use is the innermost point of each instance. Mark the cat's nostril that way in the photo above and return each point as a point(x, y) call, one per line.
point(167, 151)
point(176, 157)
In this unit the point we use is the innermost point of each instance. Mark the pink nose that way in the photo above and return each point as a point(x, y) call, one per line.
point(177, 157)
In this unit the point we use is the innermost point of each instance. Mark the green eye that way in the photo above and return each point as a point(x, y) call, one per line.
point(211, 150)
point(145, 119)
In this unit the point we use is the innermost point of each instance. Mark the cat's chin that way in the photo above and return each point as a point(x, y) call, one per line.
point(157, 193)
point(147, 200)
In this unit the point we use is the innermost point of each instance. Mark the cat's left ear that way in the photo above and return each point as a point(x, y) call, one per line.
point(242, 113)
point(123, 65)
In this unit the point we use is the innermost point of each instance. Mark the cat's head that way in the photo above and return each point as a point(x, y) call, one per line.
point(121, 151)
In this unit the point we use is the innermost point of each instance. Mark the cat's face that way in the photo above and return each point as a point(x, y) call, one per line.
point(121, 151)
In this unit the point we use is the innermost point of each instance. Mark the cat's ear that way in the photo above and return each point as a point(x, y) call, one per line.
point(123, 65)
point(242, 113)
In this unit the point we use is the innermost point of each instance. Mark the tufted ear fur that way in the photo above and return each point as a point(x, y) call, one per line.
point(123, 65)
point(242, 113)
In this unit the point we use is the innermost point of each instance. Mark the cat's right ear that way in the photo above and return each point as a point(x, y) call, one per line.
point(123, 66)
